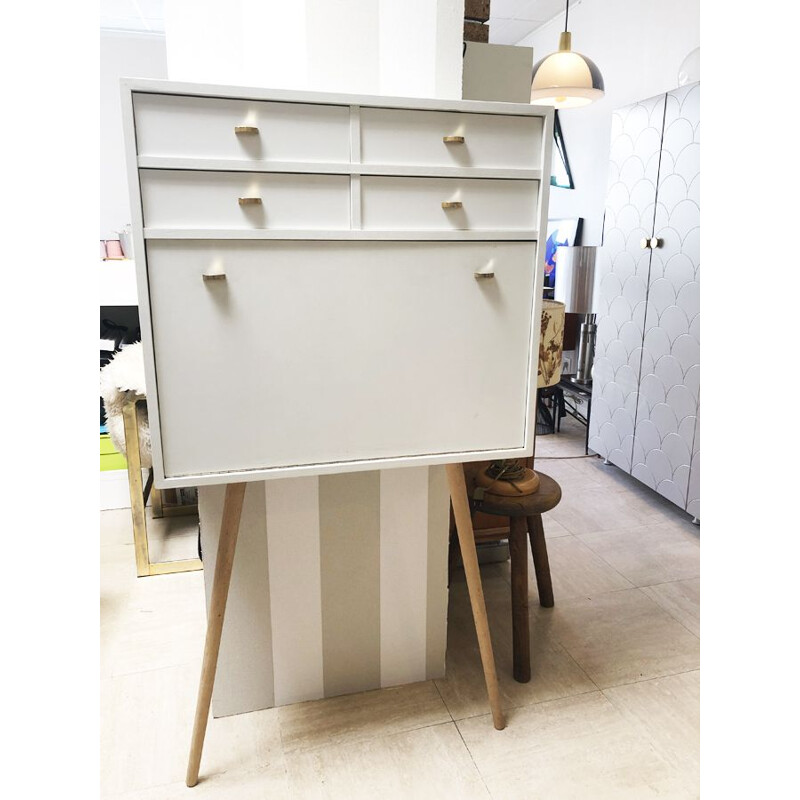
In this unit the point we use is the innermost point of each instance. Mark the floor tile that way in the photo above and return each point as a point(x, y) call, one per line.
point(356, 717)
point(553, 529)
point(554, 673)
point(576, 571)
point(648, 554)
point(622, 637)
point(589, 510)
point(681, 600)
point(145, 730)
point(159, 622)
point(430, 762)
point(667, 712)
point(578, 747)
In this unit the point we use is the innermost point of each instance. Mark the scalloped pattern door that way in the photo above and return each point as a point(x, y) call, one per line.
point(669, 387)
point(624, 268)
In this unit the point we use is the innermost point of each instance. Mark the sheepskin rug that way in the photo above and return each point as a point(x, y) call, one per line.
point(122, 377)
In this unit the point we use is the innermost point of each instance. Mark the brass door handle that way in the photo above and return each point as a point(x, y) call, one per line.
point(453, 139)
point(245, 129)
point(249, 201)
point(452, 204)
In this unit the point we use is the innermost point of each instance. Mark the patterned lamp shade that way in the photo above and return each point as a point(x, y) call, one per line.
point(551, 343)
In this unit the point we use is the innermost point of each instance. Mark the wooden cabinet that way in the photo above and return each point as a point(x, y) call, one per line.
point(337, 288)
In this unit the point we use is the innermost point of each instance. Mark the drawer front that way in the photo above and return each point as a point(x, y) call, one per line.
point(201, 127)
point(268, 367)
point(397, 136)
point(244, 200)
point(389, 203)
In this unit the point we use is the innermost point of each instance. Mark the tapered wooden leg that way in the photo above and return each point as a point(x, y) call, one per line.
point(229, 531)
point(466, 540)
point(540, 561)
point(518, 545)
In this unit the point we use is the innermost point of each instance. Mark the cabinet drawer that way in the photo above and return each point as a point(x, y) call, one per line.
point(189, 199)
point(397, 136)
point(311, 352)
point(202, 127)
point(389, 203)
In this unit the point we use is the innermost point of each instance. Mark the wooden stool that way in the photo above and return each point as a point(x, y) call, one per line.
point(525, 513)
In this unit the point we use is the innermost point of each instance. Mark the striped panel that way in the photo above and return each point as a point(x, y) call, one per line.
point(438, 535)
point(403, 573)
point(339, 585)
point(295, 589)
point(349, 531)
point(248, 682)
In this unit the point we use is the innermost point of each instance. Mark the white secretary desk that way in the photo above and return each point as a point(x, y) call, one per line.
point(332, 283)
point(307, 303)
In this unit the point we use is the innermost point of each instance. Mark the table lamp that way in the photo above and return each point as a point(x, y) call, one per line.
point(508, 477)
point(575, 287)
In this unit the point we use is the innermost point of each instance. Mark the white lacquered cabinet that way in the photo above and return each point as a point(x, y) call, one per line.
point(370, 304)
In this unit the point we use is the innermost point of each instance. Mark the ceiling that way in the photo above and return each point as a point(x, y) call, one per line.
point(510, 20)
point(146, 16)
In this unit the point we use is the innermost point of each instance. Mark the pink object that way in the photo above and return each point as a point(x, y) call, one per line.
point(113, 248)
point(102, 249)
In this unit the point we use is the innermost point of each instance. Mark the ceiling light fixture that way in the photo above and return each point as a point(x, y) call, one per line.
point(566, 79)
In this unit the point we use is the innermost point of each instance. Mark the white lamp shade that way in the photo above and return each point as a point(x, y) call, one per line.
point(566, 79)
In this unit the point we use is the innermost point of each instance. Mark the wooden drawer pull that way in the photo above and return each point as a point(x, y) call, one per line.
point(452, 204)
point(245, 129)
point(249, 201)
point(453, 139)
point(482, 276)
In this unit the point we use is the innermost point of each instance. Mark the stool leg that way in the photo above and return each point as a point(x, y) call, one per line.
point(540, 561)
point(466, 539)
point(518, 545)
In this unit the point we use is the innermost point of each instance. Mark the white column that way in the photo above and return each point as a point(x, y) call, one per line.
point(412, 49)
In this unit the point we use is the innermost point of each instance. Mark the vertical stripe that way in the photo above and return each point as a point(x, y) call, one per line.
point(349, 526)
point(244, 670)
point(404, 574)
point(438, 542)
point(295, 591)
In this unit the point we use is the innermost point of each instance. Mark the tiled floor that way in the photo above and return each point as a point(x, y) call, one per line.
point(612, 710)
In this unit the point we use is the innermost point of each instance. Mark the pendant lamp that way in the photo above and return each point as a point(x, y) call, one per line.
point(566, 79)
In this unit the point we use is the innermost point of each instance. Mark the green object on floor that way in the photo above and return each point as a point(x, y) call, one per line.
point(109, 457)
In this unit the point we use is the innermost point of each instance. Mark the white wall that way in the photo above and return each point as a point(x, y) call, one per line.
point(638, 46)
point(410, 48)
point(122, 55)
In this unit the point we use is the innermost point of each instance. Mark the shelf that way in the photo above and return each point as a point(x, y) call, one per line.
point(343, 235)
point(118, 283)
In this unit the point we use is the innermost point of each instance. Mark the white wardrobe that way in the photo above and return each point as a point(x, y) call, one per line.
point(646, 380)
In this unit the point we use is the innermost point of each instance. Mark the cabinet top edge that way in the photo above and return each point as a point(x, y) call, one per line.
point(160, 86)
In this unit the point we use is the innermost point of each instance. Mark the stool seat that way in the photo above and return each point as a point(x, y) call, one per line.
point(545, 498)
